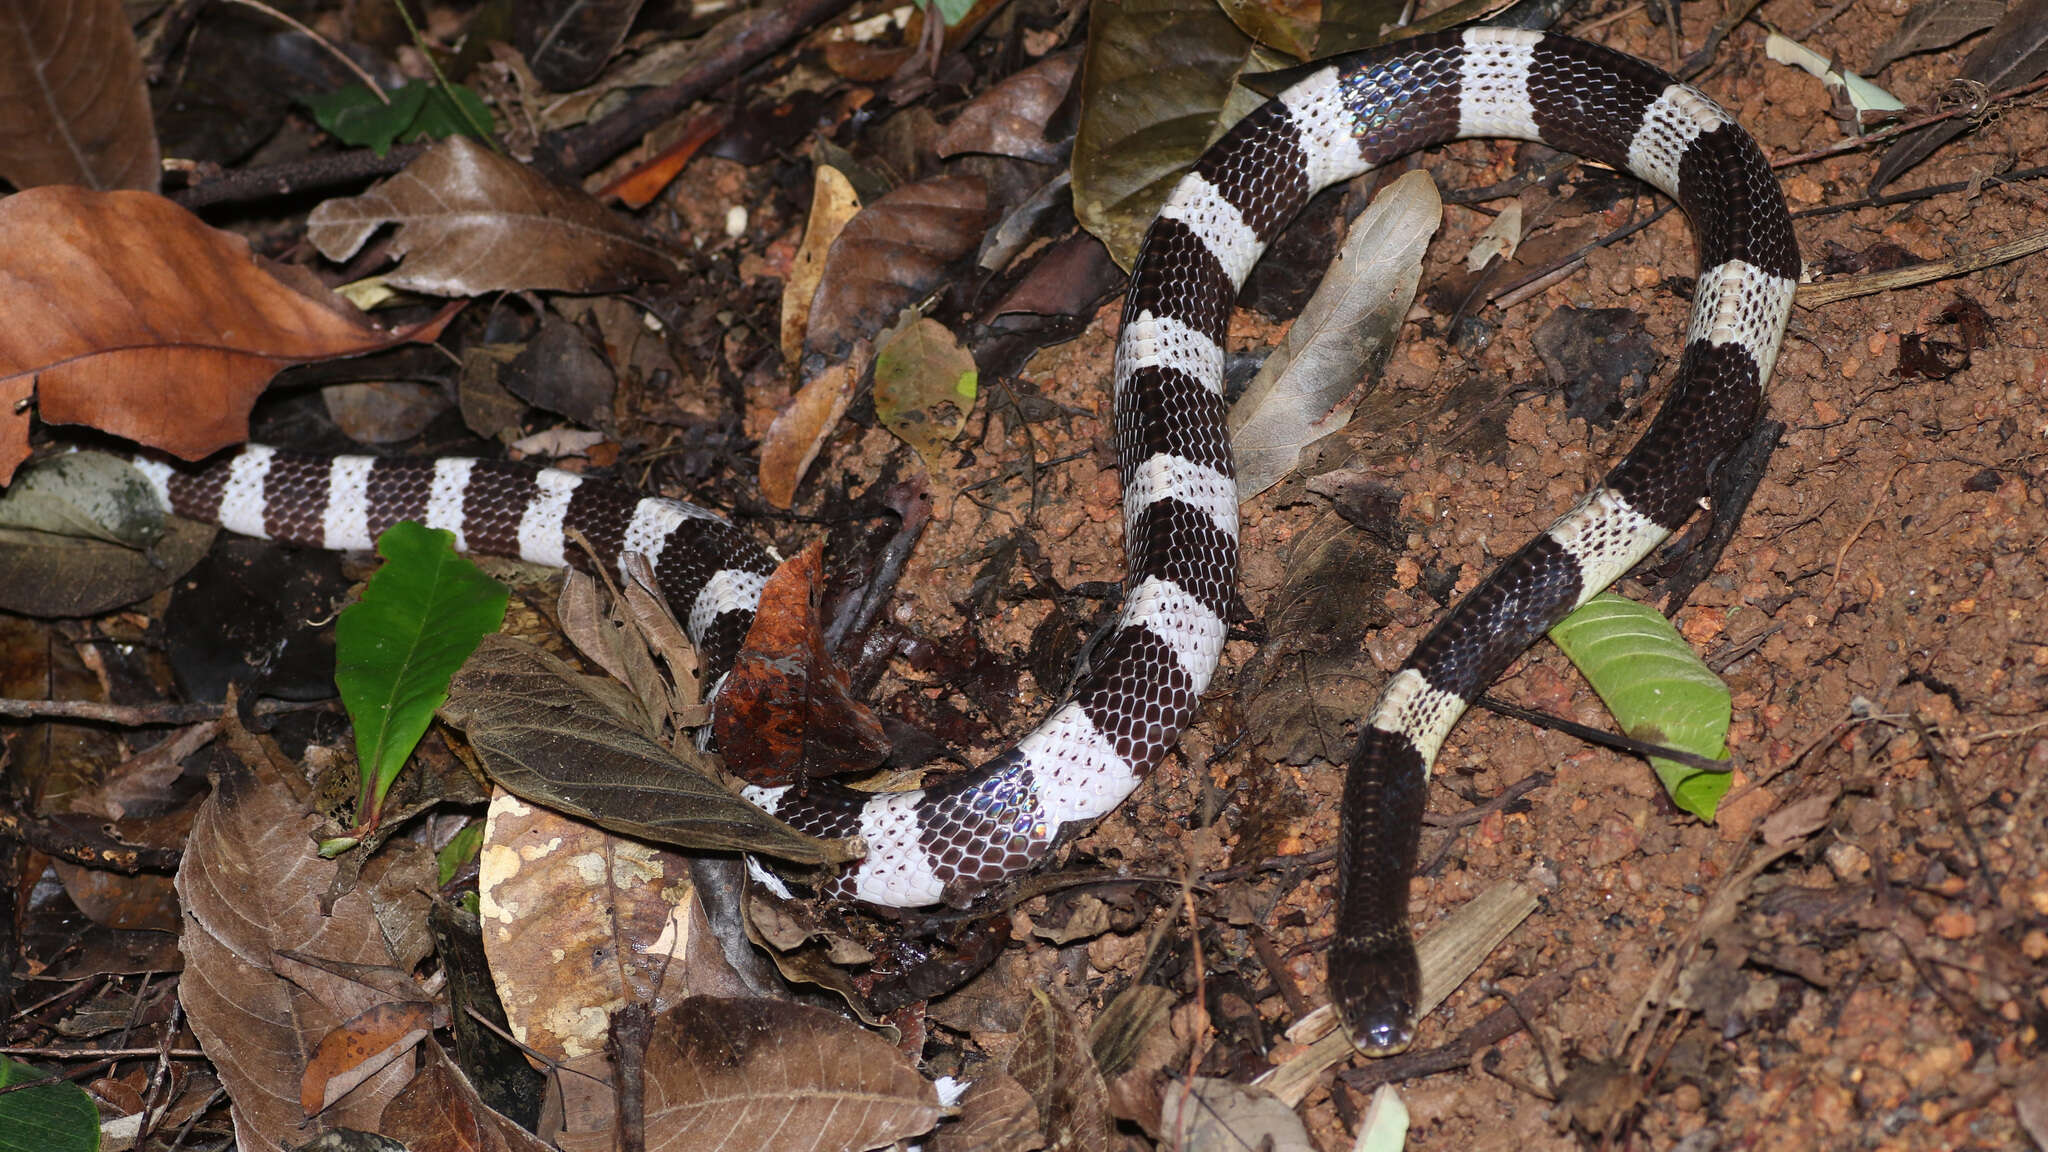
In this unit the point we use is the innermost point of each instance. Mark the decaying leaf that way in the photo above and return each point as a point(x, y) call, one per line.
point(1307, 387)
point(576, 922)
point(787, 714)
point(73, 108)
point(995, 1112)
point(362, 1047)
point(250, 885)
point(925, 384)
point(548, 736)
point(1053, 1062)
point(440, 1111)
point(768, 1076)
point(472, 221)
point(137, 319)
point(1205, 1114)
point(1936, 24)
point(567, 42)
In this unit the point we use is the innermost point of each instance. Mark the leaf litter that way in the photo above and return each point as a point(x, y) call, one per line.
point(1883, 650)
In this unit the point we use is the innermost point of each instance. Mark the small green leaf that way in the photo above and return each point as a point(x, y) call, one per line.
point(462, 848)
point(1657, 690)
point(952, 12)
point(922, 375)
point(417, 110)
point(53, 1118)
point(395, 650)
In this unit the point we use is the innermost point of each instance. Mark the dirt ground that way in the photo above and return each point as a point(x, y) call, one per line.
point(1880, 985)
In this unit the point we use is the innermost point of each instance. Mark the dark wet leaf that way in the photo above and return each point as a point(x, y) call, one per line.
point(1154, 86)
point(1601, 357)
point(2014, 52)
point(1936, 24)
point(544, 736)
point(568, 42)
point(441, 1112)
point(73, 109)
point(787, 714)
point(1289, 26)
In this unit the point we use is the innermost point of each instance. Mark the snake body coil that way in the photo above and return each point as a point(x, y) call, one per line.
point(948, 842)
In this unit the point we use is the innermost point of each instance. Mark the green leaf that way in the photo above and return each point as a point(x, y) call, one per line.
point(462, 848)
point(952, 11)
point(1656, 688)
point(420, 109)
point(395, 650)
point(922, 375)
point(53, 1118)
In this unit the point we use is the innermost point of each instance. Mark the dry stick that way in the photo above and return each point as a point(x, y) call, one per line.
point(737, 43)
point(1927, 192)
point(308, 175)
point(102, 1053)
point(139, 715)
point(1814, 295)
point(1857, 143)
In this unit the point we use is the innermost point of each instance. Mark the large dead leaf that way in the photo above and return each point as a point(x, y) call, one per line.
point(136, 318)
point(787, 714)
point(1053, 1063)
point(546, 736)
point(1011, 118)
point(771, 1076)
point(833, 203)
point(73, 109)
point(576, 922)
point(271, 964)
point(472, 221)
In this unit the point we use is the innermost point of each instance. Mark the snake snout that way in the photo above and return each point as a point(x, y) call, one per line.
point(1376, 989)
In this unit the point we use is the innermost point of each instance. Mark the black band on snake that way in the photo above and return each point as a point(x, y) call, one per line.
point(951, 841)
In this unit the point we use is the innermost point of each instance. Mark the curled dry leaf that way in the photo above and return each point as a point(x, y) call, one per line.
point(1010, 119)
point(440, 1111)
point(787, 713)
point(770, 1076)
point(1306, 389)
point(799, 431)
point(135, 318)
point(472, 221)
point(361, 1048)
point(73, 108)
point(833, 203)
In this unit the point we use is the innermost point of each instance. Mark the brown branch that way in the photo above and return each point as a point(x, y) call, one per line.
point(84, 846)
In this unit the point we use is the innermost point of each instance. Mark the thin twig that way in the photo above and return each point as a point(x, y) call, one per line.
point(317, 38)
point(1856, 143)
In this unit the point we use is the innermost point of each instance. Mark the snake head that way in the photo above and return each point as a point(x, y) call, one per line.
point(1376, 984)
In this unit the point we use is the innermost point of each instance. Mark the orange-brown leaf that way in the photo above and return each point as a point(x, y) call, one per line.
point(136, 318)
point(787, 712)
point(73, 109)
point(357, 1050)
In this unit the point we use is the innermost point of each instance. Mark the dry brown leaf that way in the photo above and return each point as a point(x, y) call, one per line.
point(1210, 1115)
point(73, 108)
point(577, 921)
point(995, 1113)
point(799, 431)
point(771, 1076)
point(471, 221)
point(253, 886)
point(891, 254)
point(1053, 1063)
point(1010, 119)
point(138, 319)
point(787, 714)
point(833, 203)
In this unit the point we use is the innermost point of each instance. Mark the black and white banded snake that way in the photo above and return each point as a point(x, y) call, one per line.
point(953, 840)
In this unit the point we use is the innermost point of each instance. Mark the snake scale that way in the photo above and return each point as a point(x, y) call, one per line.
point(950, 841)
